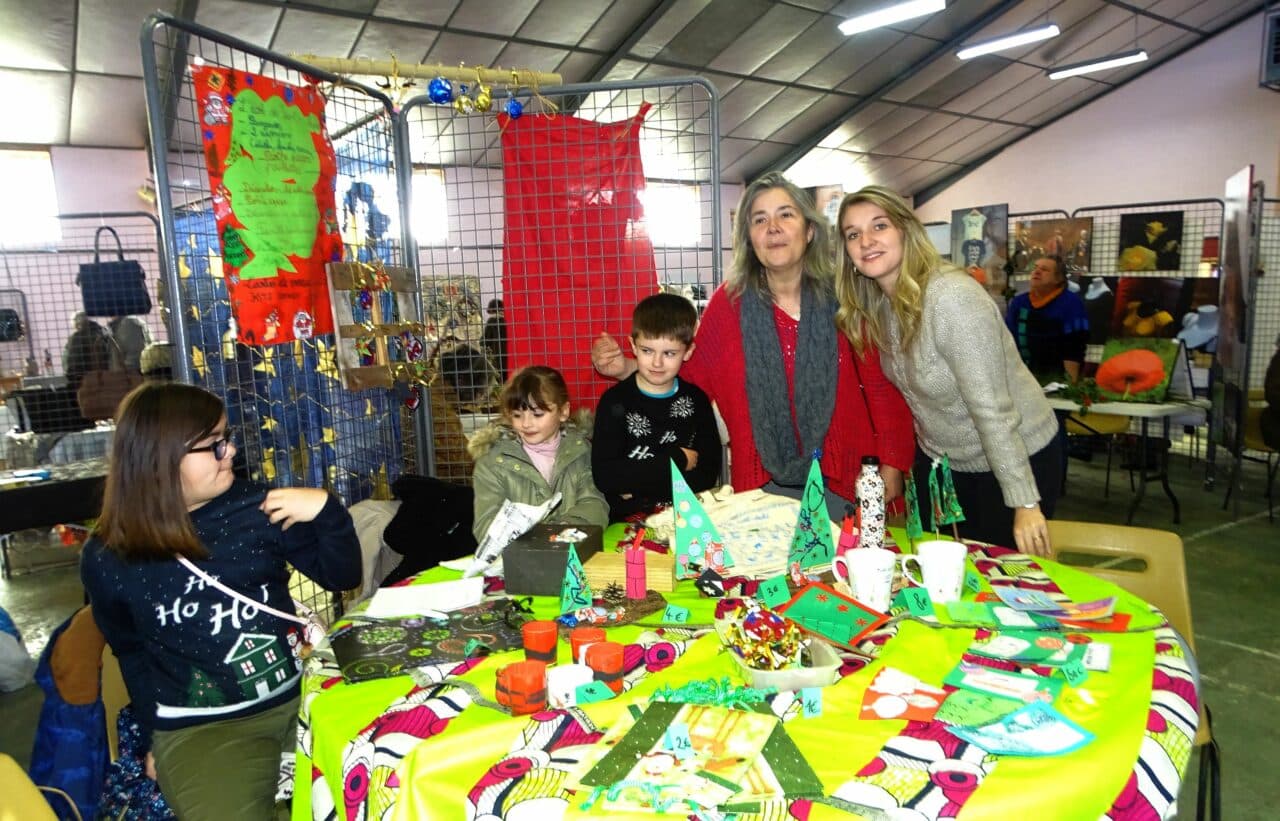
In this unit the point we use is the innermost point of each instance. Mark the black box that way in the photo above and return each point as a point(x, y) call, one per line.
point(534, 563)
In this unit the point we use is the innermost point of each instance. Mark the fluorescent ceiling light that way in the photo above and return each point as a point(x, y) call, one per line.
point(1018, 38)
point(891, 14)
point(1114, 61)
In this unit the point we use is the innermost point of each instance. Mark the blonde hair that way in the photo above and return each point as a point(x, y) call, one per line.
point(747, 269)
point(861, 299)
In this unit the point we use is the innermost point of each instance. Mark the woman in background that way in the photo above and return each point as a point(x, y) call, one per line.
point(214, 678)
point(944, 344)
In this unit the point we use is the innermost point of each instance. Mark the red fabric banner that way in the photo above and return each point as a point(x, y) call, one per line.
point(576, 257)
point(271, 170)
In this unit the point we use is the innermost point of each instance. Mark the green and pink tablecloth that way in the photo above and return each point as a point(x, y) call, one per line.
point(427, 746)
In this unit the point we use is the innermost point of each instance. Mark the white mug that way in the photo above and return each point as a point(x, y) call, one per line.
point(563, 681)
point(941, 569)
point(869, 572)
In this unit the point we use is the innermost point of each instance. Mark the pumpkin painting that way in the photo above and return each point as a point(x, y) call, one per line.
point(1131, 372)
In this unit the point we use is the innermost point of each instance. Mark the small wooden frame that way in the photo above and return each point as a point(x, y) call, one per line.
point(395, 342)
point(610, 567)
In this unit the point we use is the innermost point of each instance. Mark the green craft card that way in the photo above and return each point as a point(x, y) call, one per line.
point(1075, 673)
point(917, 601)
point(592, 692)
point(972, 581)
point(970, 612)
point(774, 592)
point(675, 614)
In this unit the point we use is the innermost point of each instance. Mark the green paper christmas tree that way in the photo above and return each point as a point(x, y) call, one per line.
point(811, 544)
point(951, 510)
point(698, 545)
point(233, 251)
point(575, 592)
point(915, 529)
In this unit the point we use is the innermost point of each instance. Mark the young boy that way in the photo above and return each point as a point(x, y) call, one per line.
point(653, 417)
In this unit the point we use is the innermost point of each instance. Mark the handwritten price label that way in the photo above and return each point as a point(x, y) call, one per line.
point(918, 601)
point(592, 691)
point(971, 581)
point(676, 614)
point(774, 592)
point(811, 700)
point(676, 739)
point(1075, 673)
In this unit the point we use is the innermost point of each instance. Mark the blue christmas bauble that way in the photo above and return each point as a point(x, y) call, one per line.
point(514, 108)
point(440, 91)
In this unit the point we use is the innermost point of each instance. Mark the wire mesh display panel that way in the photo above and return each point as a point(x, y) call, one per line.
point(299, 425)
point(1266, 310)
point(543, 231)
point(1033, 234)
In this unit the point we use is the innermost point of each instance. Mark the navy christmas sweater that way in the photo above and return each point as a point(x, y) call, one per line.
point(191, 654)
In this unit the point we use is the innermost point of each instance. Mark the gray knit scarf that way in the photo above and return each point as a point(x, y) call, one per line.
point(815, 381)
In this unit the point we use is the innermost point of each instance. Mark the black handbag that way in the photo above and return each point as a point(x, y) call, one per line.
point(11, 329)
point(116, 287)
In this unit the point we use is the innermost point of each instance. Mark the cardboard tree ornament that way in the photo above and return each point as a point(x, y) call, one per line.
point(575, 592)
point(811, 544)
point(915, 529)
point(698, 545)
point(942, 494)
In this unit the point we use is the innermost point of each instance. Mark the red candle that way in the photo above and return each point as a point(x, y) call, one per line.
point(540, 639)
point(523, 687)
point(605, 661)
point(581, 637)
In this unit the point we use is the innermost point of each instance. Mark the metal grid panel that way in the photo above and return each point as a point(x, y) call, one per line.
point(679, 144)
point(41, 286)
point(299, 425)
point(1266, 308)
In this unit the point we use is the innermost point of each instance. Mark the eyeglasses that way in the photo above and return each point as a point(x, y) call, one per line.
point(219, 446)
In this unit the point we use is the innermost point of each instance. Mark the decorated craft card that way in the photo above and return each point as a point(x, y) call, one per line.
point(982, 679)
point(894, 694)
point(811, 544)
point(698, 545)
point(271, 173)
point(840, 619)
point(1035, 730)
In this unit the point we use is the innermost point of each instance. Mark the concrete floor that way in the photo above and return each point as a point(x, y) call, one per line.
point(1233, 574)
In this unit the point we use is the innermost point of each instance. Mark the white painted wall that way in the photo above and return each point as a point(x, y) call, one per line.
point(99, 179)
point(1175, 133)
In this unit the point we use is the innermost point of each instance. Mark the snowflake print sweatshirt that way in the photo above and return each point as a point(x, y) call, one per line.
point(191, 654)
point(638, 435)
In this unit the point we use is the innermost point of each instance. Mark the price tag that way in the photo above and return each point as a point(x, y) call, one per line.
point(591, 692)
point(676, 739)
point(774, 592)
point(676, 614)
point(972, 582)
point(811, 700)
point(917, 600)
point(1075, 673)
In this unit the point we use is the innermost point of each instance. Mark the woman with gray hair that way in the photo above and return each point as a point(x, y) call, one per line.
point(769, 355)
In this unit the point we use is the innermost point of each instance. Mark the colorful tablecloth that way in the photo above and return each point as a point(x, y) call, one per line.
point(428, 747)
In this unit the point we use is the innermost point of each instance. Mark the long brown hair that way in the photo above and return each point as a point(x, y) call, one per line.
point(144, 514)
point(746, 269)
point(536, 387)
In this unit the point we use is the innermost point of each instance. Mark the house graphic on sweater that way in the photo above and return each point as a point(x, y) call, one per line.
point(261, 664)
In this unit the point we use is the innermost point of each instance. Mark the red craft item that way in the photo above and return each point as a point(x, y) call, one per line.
point(523, 687)
point(540, 639)
point(637, 581)
point(605, 661)
point(581, 637)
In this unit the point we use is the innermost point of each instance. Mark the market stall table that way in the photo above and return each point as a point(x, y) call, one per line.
point(428, 746)
point(51, 495)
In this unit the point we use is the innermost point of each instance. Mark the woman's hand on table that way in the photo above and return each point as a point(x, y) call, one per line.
point(290, 505)
point(607, 358)
point(1031, 531)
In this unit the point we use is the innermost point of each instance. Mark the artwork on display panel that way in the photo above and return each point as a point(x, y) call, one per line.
point(1150, 241)
point(1184, 308)
point(1071, 239)
point(980, 244)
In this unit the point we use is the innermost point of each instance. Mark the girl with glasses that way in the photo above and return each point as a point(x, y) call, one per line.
point(214, 679)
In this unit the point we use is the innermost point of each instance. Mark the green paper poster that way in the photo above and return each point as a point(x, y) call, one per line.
point(575, 592)
point(811, 544)
point(697, 542)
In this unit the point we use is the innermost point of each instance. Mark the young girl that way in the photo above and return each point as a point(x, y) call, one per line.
point(533, 452)
point(214, 679)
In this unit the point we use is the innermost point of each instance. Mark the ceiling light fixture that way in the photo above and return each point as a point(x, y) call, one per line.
point(1018, 38)
point(1114, 61)
point(891, 14)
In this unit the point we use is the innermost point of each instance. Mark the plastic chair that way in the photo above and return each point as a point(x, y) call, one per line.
point(1253, 441)
point(22, 800)
point(1150, 564)
point(1109, 425)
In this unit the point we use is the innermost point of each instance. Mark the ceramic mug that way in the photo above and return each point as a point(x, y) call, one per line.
point(869, 573)
point(941, 568)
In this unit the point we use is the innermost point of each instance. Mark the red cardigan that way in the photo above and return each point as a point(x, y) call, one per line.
point(717, 366)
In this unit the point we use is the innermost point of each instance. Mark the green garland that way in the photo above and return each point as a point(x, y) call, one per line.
point(1083, 392)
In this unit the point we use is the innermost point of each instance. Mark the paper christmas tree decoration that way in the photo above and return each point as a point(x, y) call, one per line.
point(942, 494)
point(811, 544)
point(575, 593)
point(698, 544)
point(915, 529)
point(840, 619)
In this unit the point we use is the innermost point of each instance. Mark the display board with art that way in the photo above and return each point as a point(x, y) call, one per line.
point(1150, 241)
point(1137, 369)
point(1071, 239)
point(980, 244)
point(1184, 308)
point(271, 170)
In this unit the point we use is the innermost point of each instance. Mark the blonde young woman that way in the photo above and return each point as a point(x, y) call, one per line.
point(944, 344)
point(769, 355)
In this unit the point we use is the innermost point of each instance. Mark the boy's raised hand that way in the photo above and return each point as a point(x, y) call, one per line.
point(690, 458)
point(290, 505)
point(607, 357)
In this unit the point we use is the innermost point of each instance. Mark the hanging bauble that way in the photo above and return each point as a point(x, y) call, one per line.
point(514, 108)
point(366, 299)
point(440, 91)
point(464, 104)
point(483, 98)
point(414, 398)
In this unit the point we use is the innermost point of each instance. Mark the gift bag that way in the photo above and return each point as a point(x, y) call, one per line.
point(101, 391)
point(116, 287)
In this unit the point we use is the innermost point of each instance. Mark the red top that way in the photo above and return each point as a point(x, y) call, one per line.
point(718, 368)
